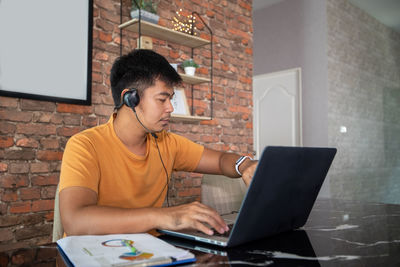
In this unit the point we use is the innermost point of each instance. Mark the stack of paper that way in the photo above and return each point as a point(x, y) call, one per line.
point(121, 250)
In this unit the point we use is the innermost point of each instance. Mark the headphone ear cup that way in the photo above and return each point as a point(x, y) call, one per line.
point(131, 98)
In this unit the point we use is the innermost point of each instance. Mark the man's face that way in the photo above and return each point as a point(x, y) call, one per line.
point(155, 108)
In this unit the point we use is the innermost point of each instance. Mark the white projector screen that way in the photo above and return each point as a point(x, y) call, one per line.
point(46, 50)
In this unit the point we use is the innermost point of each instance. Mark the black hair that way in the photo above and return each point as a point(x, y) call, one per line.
point(140, 69)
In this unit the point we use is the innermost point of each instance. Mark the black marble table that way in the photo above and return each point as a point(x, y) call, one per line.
point(338, 233)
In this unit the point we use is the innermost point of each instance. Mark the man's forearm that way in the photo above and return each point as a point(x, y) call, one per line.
point(227, 164)
point(97, 220)
point(80, 215)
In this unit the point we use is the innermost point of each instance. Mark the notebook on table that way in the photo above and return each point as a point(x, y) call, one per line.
point(280, 197)
point(120, 250)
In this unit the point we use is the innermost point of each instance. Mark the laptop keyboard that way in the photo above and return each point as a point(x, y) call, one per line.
point(227, 233)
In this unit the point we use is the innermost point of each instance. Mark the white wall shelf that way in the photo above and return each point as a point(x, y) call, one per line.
point(176, 117)
point(194, 79)
point(163, 33)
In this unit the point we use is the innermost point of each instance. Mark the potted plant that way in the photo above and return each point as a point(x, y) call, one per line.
point(189, 66)
point(148, 10)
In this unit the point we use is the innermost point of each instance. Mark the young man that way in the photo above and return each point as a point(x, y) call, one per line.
point(114, 177)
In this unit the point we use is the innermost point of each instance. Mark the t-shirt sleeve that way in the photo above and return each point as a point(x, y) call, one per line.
point(188, 153)
point(79, 165)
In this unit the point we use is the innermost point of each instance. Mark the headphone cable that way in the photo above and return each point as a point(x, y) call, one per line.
point(150, 132)
point(165, 169)
point(159, 153)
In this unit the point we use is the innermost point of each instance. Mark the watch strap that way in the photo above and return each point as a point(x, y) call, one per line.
point(239, 162)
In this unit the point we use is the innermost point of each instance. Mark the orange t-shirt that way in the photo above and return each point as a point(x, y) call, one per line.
point(97, 159)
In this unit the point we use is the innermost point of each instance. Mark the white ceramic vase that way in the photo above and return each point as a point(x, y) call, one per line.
point(190, 70)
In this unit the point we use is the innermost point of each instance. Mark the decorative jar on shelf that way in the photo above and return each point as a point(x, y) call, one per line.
point(145, 15)
point(148, 10)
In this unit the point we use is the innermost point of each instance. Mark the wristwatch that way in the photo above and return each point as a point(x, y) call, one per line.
point(239, 162)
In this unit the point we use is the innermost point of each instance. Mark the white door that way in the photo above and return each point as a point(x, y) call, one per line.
point(277, 109)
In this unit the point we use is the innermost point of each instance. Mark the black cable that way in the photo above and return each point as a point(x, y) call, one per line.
point(140, 22)
point(147, 130)
point(120, 29)
point(165, 169)
point(159, 153)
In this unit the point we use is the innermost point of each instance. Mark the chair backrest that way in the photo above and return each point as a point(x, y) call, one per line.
point(58, 230)
point(222, 193)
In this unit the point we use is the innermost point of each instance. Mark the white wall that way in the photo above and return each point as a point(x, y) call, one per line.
point(292, 34)
point(350, 77)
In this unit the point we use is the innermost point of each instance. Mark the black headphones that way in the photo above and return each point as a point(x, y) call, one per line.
point(131, 98)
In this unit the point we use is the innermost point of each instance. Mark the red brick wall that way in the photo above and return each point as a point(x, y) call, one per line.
point(33, 133)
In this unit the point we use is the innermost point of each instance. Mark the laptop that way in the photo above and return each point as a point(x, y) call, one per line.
point(280, 197)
